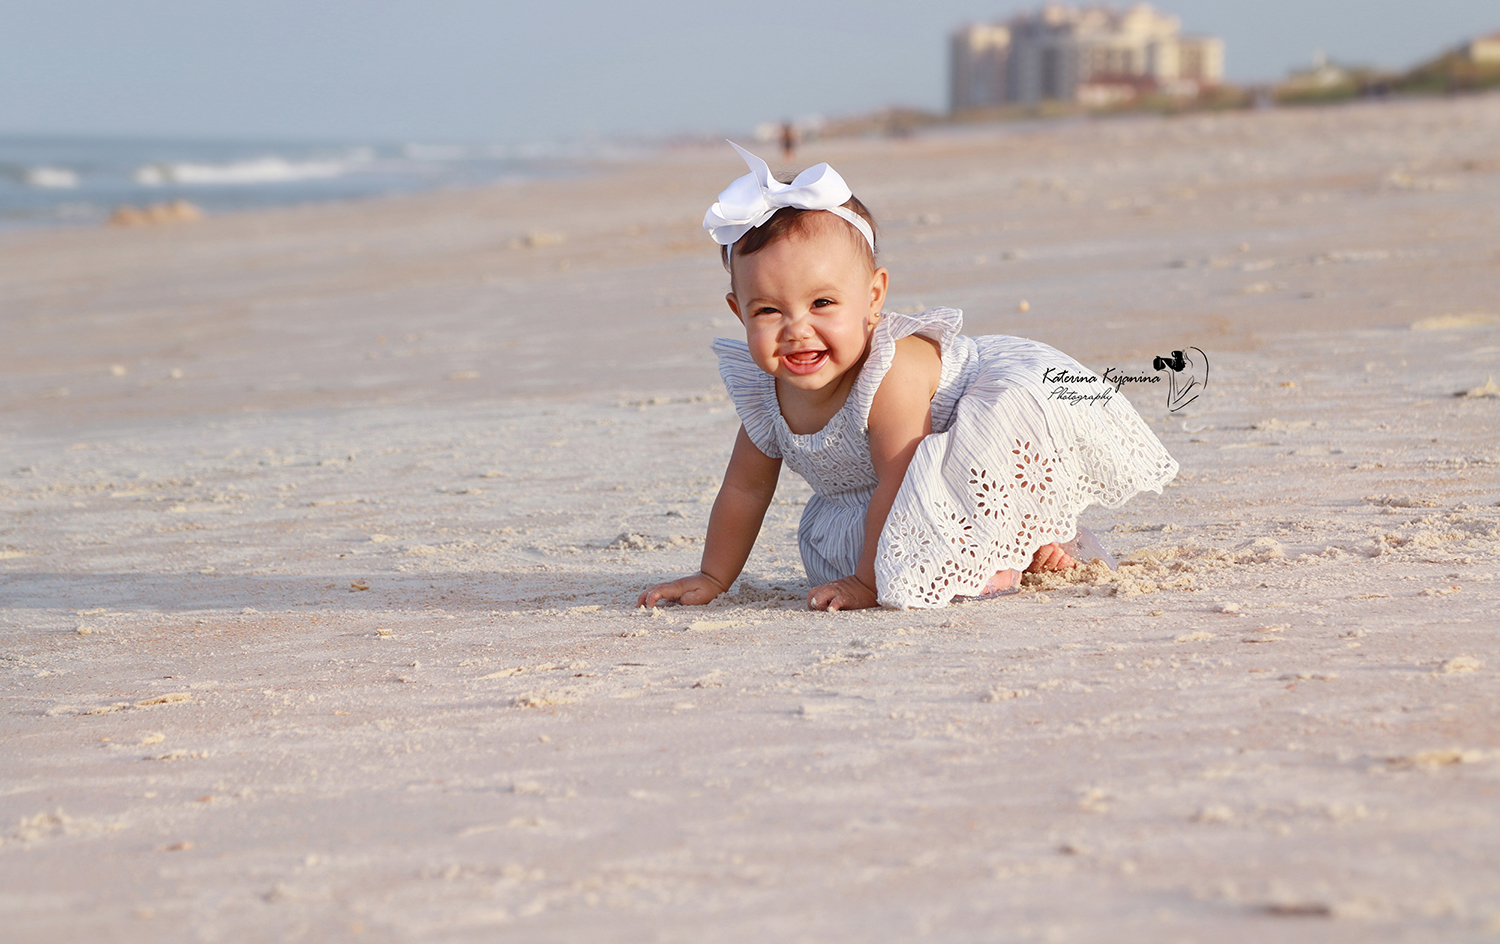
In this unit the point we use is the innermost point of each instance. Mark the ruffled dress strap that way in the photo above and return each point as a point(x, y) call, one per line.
point(940, 324)
point(753, 392)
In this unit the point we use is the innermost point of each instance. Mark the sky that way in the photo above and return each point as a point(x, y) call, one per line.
point(525, 70)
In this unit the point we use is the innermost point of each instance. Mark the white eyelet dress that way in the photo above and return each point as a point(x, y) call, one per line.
point(1005, 470)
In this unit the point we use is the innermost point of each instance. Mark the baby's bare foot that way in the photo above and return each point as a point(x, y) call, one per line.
point(1050, 557)
point(1003, 581)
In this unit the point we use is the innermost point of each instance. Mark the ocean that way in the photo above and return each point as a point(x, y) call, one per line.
point(63, 181)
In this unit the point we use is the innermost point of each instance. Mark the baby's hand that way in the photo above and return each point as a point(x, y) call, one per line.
point(695, 590)
point(846, 593)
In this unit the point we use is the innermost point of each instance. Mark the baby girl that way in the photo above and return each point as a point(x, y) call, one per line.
point(940, 466)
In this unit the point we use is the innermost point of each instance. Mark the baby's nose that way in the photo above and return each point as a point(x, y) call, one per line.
point(798, 326)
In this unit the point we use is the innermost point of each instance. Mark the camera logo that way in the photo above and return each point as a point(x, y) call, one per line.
point(1188, 377)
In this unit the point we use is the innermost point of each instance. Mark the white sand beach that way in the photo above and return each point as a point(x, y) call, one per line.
point(323, 528)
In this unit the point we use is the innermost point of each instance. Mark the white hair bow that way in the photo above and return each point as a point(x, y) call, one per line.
point(750, 200)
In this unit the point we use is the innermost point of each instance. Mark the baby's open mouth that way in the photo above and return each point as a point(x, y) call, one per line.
point(804, 362)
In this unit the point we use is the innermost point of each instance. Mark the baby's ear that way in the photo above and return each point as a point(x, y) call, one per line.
point(878, 286)
point(734, 306)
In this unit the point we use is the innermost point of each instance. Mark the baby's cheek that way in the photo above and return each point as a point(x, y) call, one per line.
point(764, 356)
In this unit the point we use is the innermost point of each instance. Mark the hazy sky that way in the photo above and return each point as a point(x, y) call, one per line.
point(503, 70)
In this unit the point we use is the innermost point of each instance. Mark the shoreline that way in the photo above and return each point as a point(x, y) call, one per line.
point(65, 182)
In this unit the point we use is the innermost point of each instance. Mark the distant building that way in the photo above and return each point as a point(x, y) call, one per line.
point(1323, 75)
point(1090, 55)
point(1484, 49)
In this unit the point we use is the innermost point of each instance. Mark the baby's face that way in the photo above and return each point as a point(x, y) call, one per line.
point(808, 303)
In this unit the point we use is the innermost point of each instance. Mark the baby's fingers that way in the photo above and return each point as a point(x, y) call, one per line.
point(819, 597)
point(657, 594)
point(828, 597)
point(689, 591)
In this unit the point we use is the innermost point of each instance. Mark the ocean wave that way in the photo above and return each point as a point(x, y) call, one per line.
point(47, 181)
point(456, 152)
point(48, 177)
point(524, 151)
point(261, 170)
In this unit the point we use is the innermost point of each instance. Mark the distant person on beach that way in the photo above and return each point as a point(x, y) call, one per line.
point(941, 465)
point(789, 140)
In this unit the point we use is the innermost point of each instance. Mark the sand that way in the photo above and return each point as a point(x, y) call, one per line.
point(323, 529)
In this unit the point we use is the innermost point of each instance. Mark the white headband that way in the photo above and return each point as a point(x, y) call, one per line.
point(750, 200)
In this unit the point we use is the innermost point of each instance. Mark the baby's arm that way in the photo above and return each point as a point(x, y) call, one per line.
point(734, 523)
point(900, 417)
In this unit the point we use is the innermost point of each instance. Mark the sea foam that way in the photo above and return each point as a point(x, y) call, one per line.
point(50, 178)
point(261, 170)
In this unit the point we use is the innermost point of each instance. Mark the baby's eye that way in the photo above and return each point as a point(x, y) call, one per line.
point(766, 311)
point(823, 303)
